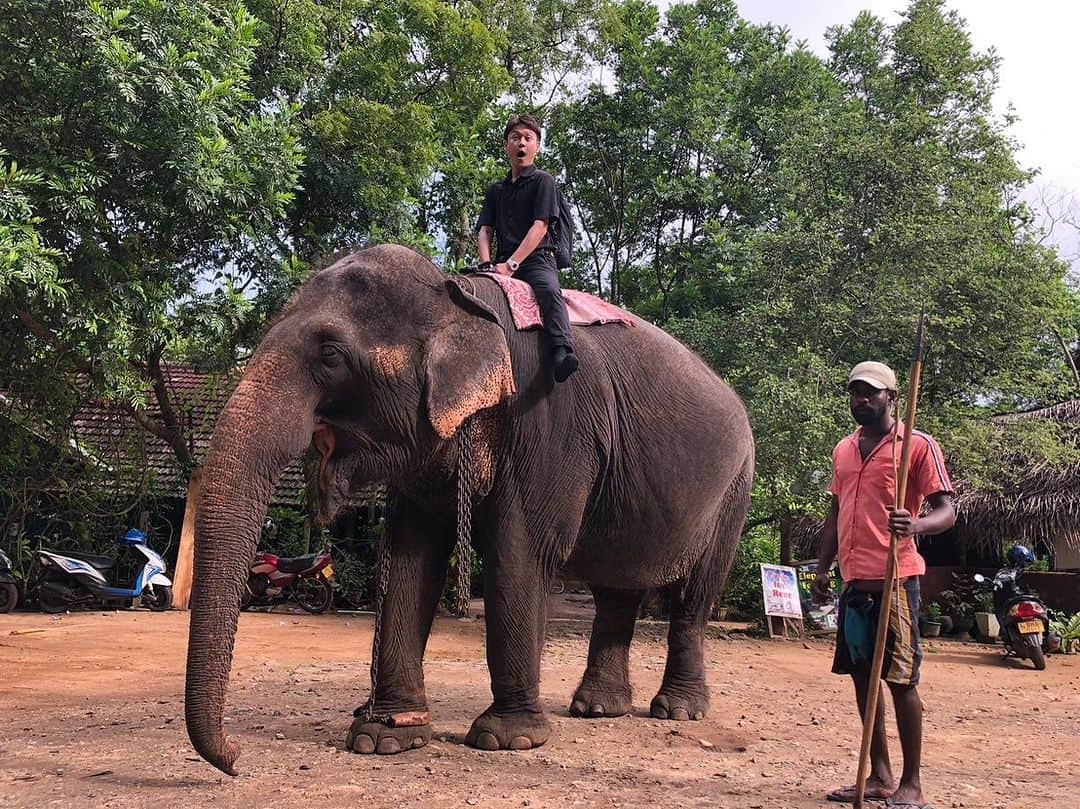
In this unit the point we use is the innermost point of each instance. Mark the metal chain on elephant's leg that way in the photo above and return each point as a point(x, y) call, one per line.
point(466, 488)
point(382, 585)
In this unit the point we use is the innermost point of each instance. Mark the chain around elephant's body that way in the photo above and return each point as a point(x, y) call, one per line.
point(465, 489)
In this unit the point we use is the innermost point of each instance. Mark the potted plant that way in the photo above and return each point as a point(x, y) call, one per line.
point(930, 625)
point(1069, 631)
point(959, 603)
point(986, 622)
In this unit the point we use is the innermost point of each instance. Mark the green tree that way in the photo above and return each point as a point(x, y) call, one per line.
point(650, 153)
point(134, 156)
point(788, 215)
point(887, 183)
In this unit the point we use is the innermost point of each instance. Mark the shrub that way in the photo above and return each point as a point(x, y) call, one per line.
point(742, 595)
point(932, 612)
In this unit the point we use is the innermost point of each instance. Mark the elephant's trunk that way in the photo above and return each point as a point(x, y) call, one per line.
point(259, 432)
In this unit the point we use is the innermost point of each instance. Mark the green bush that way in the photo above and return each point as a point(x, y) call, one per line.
point(742, 596)
point(1069, 630)
point(285, 536)
point(932, 612)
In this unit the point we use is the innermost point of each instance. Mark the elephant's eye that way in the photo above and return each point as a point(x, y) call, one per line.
point(331, 355)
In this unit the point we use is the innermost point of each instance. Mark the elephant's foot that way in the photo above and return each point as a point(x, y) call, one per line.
point(374, 737)
point(593, 699)
point(522, 730)
point(680, 703)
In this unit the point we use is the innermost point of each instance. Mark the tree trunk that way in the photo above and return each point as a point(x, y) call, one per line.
point(787, 550)
point(185, 557)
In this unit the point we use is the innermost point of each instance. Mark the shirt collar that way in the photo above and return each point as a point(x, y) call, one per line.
point(526, 173)
point(898, 428)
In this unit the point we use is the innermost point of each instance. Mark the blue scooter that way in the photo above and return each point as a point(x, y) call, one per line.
point(74, 579)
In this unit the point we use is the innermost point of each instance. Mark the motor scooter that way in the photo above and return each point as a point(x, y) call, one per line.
point(273, 579)
point(9, 592)
point(73, 579)
point(1023, 619)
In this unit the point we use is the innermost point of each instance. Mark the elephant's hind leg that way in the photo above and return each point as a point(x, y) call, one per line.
point(683, 694)
point(605, 688)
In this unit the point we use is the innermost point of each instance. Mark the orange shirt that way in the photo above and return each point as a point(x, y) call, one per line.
point(866, 490)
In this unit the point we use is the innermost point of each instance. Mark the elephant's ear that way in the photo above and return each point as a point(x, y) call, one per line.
point(467, 363)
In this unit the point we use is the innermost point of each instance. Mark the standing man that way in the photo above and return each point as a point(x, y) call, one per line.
point(517, 212)
point(856, 533)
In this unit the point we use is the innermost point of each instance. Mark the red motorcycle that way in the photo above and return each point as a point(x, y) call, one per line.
point(276, 579)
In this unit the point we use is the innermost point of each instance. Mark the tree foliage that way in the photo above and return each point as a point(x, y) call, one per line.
point(170, 170)
point(134, 155)
point(788, 216)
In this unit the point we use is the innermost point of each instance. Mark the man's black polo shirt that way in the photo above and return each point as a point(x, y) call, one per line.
point(511, 208)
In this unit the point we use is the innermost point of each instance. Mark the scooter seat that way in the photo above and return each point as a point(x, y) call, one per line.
point(296, 564)
point(97, 562)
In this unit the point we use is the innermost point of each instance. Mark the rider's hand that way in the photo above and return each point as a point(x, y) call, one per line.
point(502, 268)
point(822, 588)
point(901, 522)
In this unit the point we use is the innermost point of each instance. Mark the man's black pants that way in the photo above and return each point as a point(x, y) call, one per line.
point(539, 272)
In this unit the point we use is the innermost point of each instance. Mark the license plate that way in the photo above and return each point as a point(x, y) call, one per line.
point(1028, 627)
point(328, 572)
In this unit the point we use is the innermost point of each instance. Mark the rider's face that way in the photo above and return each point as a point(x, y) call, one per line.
point(522, 145)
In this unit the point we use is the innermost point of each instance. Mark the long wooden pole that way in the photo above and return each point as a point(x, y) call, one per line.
point(874, 689)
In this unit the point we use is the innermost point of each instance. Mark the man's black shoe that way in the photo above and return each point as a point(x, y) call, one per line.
point(564, 362)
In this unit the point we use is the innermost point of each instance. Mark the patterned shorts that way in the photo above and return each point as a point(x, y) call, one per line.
point(856, 632)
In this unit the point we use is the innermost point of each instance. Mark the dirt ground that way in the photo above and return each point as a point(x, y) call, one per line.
point(91, 714)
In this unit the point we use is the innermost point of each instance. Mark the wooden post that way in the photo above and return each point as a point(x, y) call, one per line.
point(787, 553)
point(185, 557)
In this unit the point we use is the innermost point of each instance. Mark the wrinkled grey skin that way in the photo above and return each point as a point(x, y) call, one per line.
point(635, 474)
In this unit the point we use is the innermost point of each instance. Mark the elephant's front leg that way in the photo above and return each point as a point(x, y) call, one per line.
point(515, 604)
point(420, 547)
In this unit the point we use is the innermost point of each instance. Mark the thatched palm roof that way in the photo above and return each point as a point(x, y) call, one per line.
point(1040, 501)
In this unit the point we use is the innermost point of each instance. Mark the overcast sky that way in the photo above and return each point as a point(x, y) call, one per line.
point(1039, 45)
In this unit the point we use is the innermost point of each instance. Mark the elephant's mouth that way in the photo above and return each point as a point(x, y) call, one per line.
point(324, 440)
point(329, 486)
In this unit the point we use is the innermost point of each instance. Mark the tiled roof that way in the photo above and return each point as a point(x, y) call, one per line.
point(197, 398)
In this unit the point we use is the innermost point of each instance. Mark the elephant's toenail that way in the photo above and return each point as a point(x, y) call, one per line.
point(521, 743)
point(388, 746)
point(487, 741)
point(577, 708)
point(597, 710)
point(699, 715)
point(658, 712)
point(362, 743)
point(680, 715)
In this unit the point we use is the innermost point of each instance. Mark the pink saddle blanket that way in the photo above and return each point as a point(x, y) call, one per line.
point(584, 309)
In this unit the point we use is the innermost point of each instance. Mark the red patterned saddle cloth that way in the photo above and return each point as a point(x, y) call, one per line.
point(584, 309)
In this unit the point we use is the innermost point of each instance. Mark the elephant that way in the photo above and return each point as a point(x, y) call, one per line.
point(633, 475)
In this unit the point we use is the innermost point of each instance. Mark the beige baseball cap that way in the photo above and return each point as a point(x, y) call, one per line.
point(876, 374)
